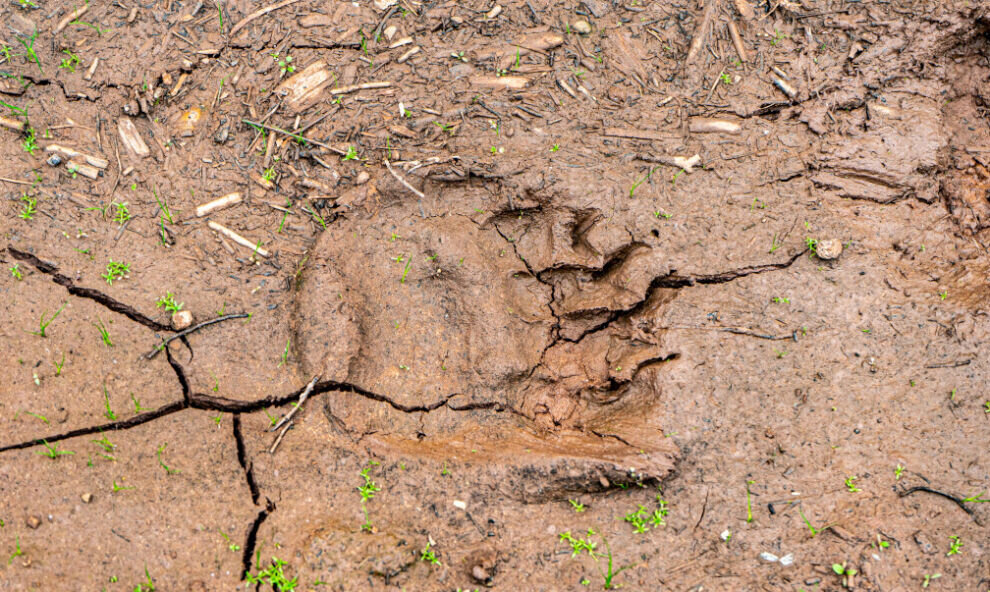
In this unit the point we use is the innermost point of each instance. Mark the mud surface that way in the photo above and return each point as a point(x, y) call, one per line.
point(519, 270)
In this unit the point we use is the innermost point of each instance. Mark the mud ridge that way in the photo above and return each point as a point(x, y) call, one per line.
point(94, 295)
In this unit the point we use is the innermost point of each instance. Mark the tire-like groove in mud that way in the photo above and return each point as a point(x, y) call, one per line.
point(94, 295)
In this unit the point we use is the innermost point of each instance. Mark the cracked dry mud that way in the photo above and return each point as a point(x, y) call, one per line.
point(533, 311)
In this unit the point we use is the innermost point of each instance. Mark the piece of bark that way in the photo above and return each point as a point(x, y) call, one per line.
point(305, 89)
point(701, 125)
point(255, 247)
point(231, 199)
point(131, 138)
point(96, 161)
point(510, 82)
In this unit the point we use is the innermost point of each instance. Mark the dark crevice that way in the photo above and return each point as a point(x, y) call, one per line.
point(179, 374)
point(243, 460)
point(252, 537)
point(135, 421)
point(94, 295)
point(674, 281)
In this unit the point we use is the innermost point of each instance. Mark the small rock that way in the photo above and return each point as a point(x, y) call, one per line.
point(726, 534)
point(479, 574)
point(385, 4)
point(54, 160)
point(182, 320)
point(582, 27)
point(362, 178)
point(87, 497)
point(787, 559)
point(926, 546)
point(460, 505)
point(34, 522)
point(829, 248)
point(769, 557)
point(222, 133)
point(604, 482)
point(390, 31)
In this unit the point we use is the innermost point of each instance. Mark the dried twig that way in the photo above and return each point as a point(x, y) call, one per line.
point(302, 399)
point(959, 502)
point(278, 440)
point(418, 193)
point(193, 329)
point(244, 21)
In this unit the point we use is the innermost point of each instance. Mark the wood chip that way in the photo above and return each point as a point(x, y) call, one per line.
point(343, 90)
point(96, 161)
point(11, 123)
point(75, 166)
point(92, 69)
point(238, 238)
point(263, 182)
point(71, 17)
point(305, 89)
point(231, 199)
point(701, 125)
point(412, 51)
point(131, 138)
point(635, 134)
point(737, 41)
point(244, 22)
point(510, 82)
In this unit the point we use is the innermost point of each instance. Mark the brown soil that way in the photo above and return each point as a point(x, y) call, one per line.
point(519, 315)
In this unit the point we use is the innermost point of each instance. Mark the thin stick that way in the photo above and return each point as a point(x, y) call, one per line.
point(256, 247)
point(343, 90)
point(71, 17)
point(278, 440)
point(419, 193)
point(243, 22)
point(295, 136)
point(192, 329)
point(302, 399)
point(15, 181)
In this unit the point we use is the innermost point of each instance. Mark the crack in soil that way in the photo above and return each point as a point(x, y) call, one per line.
point(242, 458)
point(94, 295)
point(252, 537)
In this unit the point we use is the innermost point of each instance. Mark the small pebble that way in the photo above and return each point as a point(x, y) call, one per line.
point(829, 248)
point(479, 573)
point(787, 559)
point(87, 497)
point(182, 320)
point(390, 32)
point(34, 522)
point(54, 160)
point(582, 27)
point(460, 505)
point(362, 178)
point(769, 557)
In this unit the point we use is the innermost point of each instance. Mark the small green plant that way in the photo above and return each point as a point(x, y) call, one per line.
point(99, 31)
point(725, 78)
point(17, 550)
point(780, 300)
point(579, 544)
point(115, 487)
point(30, 142)
point(774, 244)
point(107, 411)
point(351, 153)
point(428, 555)
point(29, 52)
point(15, 270)
point(812, 245)
point(898, 471)
point(880, 544)
point(38, 416)
point(841, 569)
point(121, 213)
point(929, 578)
point(70, 62)
point(115, 271)
point(284, 64)
point(168, 303)
point(148, 585)
point(269, 174)
point(29, 209)
point(749, 502)
point(367, 492)
point(27, 4)
point(104, 333)
point(578, 506)
point(43, 324)
point(52, 451)
point(274, 576)
point(285, 353)
point(814, 531)
point(851, 484)
point(137, 404)
point(168, 470)
point(778, 37)
point(555, 148)
point(105, 444)
point(609, 572)
point(230, 544)
point(986, 407)
point(955, 545)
